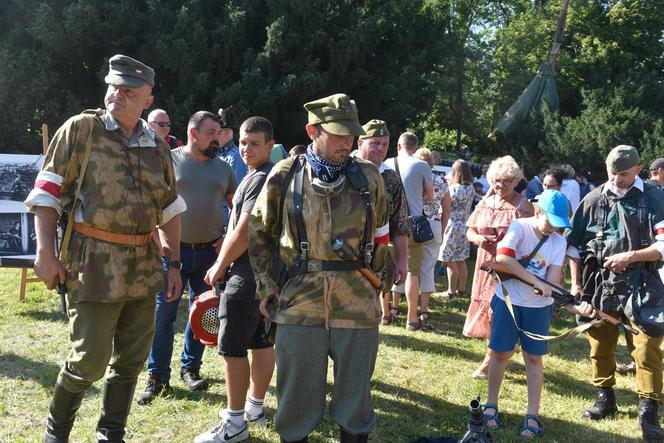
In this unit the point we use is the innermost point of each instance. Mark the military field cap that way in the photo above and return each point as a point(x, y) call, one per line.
point(659, 163)
point(337, 114)
point(128, 72)
point(375, 128)
point(622, 157)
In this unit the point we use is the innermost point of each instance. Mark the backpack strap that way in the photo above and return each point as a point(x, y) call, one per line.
point(358, 180)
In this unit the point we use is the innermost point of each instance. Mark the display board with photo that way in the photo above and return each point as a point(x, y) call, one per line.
point(17, 227)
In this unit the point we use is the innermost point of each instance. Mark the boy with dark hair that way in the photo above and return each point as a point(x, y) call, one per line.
point(241, 325)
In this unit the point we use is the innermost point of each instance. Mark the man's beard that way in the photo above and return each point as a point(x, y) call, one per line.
point(211, 151)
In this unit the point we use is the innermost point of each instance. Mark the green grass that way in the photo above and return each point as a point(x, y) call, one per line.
point(421, 385)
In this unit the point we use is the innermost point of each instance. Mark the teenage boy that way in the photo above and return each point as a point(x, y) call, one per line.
point(532, 312)
point(241, 324)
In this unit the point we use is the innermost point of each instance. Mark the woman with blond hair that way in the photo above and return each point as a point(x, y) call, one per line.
point(486, 227)
point(438, 212)
point(455, 249)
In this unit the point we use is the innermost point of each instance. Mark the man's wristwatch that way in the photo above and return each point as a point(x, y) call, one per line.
point(175, 264)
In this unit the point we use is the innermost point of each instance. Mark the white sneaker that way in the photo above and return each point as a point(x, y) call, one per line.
point(259, 421)
point(224, 432)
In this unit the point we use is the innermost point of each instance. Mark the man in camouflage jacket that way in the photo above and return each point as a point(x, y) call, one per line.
point(373, 147)
point(112, 271)
point(321, 312)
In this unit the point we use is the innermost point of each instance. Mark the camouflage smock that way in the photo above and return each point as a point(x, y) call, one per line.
point(336, 299)
point(125, 190)
point(398, 209)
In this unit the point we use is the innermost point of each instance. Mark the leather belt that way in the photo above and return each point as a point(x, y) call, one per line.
point(196, 245)
point(111, 237)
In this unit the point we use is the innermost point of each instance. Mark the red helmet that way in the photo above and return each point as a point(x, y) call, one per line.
point(204, 317)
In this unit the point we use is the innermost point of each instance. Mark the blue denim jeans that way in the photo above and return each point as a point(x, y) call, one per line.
point(195, 263)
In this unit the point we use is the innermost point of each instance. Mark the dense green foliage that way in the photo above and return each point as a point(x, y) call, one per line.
point(447, 69)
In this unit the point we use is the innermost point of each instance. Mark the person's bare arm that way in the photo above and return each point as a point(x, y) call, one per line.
point(234, 245)
point(169, 234)
point(427, 193)
point(47, 267)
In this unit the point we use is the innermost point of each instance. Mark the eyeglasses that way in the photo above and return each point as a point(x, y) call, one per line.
point(504, 181)
point(163, 124)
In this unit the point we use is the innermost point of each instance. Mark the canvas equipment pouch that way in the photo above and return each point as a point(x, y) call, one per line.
point(420, 227)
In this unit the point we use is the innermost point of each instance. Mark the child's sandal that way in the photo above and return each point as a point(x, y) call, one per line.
point(535, 430)
point(488, 416)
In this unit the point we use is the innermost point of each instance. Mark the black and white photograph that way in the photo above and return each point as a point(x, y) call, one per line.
point(17, 226)
point(17, 177)
point(17, 234)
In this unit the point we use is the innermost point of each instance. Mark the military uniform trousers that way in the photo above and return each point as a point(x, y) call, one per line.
point(647, 354)
point(114, 334)
point(302, 358)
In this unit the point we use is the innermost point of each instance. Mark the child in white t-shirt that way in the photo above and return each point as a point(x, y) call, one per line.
point(532, 312)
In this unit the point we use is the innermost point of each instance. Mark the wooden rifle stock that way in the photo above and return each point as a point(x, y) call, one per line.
point(560, 295)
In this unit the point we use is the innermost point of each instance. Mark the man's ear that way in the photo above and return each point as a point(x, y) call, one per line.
point(148, 102)
point(312, 131)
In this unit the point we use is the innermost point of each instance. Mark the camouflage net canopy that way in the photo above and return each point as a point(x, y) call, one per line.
point(541, 88)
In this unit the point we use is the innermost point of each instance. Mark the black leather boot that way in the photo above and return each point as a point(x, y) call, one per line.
point(304, 440)
point(347, 437)
point(114, 412)
point(648, 420)
point(605, 405)
point(61, 414)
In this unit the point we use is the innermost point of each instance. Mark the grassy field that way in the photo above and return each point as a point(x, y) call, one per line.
point(421, 385)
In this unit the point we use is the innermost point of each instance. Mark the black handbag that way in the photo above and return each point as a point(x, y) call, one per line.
point(420, 228)
point(419, 224)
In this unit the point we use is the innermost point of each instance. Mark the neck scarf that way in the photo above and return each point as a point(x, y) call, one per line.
point(325, 171)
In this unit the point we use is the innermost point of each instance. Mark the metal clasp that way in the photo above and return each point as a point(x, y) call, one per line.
point(304, 250)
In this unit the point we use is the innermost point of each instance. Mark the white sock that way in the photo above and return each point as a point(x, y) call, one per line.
point(235, 416)
point(254, 406)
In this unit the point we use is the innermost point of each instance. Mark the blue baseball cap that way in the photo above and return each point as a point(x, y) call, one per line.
point(556, 207)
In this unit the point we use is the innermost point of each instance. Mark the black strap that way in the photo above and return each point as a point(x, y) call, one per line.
point(359, 181)
point(297, 207)
point(524, 261)
point(603, 210)
point(644, 226)
point(324, 265)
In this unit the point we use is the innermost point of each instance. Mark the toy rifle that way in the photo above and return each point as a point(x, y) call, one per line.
point(560, 296)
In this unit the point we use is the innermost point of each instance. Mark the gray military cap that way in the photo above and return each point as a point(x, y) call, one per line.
point(128, 72)
point(337, 114)
point(622, 157)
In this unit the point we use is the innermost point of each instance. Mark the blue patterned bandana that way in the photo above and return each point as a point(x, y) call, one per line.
point(325, 171)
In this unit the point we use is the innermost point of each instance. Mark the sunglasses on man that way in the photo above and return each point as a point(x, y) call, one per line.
point(163, 124)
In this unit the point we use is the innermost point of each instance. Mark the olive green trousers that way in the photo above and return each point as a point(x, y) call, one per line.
point(114, 335)
point(647, 354)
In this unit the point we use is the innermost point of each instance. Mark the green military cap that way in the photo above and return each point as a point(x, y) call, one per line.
point(622, 157)
point(375, 128)
point(337, 114)
point(128, 72)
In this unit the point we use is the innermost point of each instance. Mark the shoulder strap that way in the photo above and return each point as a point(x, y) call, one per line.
point(297, 205)
point(644, 226)
point(359, 181)
point(66, 238)
point(603, 210)
point(524, 261)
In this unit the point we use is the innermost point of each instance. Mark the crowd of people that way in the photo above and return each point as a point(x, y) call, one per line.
point(322, 244)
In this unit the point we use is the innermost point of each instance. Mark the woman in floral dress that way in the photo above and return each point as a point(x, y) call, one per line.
point(456, 249)
point(486, 227)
